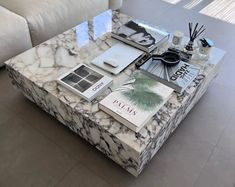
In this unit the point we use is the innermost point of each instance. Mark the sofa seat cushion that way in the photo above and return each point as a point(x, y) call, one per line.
point(14, 35)
point(47, 18)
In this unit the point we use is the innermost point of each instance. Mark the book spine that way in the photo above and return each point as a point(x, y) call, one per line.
point(118, 118)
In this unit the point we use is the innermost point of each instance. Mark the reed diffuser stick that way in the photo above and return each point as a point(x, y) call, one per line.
point(195, 32)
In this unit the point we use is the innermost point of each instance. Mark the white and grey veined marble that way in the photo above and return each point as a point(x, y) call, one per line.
point(35, 72)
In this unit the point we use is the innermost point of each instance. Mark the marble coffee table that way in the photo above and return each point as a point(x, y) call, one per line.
point(35, 72)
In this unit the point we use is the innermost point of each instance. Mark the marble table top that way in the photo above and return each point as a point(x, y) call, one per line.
point(44, 63)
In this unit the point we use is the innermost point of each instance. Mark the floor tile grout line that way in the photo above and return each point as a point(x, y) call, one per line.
point(51, 140)
point(210, 155)
point(229, 123)
point(224, 150)
point(29, 124)
point(81, 163)
point(214, 148)
point(66, 173)
point(97, 173)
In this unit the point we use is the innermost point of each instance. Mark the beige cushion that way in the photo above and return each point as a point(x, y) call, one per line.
point(47, 18)
point(14, 35)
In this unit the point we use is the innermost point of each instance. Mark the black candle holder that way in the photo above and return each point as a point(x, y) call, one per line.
point(189, 47)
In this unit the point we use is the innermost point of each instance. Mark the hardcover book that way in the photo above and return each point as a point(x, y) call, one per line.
point(136, 101)
point(141, 35)
point(178, 77)
point(85, 82)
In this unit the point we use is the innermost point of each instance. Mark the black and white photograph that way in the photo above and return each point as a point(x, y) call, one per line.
point(136, 33)
point(72, 79)
point(83, 85)
point(141, 35)
point(85, 82)
point(82, 78)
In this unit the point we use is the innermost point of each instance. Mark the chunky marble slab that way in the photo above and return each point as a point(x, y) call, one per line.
point(35, 72)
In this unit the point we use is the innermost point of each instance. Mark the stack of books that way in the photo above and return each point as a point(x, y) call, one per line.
point(137, 100)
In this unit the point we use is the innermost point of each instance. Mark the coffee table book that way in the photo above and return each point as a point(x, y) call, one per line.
point(178, 77)
point(136, 101)
point(85, 82)
point(141, 35)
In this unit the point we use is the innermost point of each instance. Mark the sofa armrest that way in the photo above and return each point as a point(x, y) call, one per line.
point(14, 35)
point(115, 4)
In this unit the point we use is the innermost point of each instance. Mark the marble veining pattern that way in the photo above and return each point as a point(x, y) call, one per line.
point(35, 72)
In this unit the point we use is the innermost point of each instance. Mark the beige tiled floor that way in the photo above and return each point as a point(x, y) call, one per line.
point(36, 150)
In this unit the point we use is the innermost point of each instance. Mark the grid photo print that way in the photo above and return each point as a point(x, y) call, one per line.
point(82, 78)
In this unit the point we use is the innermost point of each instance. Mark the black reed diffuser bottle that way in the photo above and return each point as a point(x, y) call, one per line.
point(193, 33)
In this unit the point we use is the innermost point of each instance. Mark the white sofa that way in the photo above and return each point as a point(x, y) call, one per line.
point(26, 23)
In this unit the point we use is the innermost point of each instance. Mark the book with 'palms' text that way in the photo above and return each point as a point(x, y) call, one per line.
point(136, 101)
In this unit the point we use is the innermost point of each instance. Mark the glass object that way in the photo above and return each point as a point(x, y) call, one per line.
point(177, 38)
point(204, 48)
point(189, 47)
